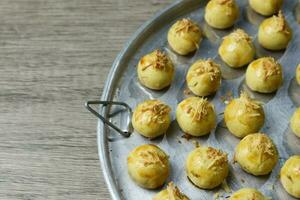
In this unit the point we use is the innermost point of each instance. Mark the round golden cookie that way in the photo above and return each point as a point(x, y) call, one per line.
point(148, 166)
point(237, 49)
point(151, 118)
point(266, 7)
point(155, 70)
point(244, 116)
point(256, 154)
point(171, 193)
point(298, 74)
point(204, 77)
point(196, 116)
point(295, 122)
point(184, 36)
point(290, 176)
point(274, 33)
point(248, 194)
point(207, 167)
point(221, 14)
point(264, 75)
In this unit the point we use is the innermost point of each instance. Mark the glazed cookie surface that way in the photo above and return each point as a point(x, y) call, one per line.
point(290, 176)
point(207, 167)
point(148, 166)
point(256, 154)
point(151, 118)
point(171, 193)
point(244, 116)
point(237, 49)
point(204, 77)
point(221, 14)
point(298, 74)
point(248, 194)
point(295, 122)
point(266, 7)
point(184, 36)
point(155, 70)
point(196, 116)
point(274, 33)
point(264, 75)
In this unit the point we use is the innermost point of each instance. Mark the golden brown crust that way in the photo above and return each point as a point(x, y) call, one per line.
point(152, 157)
point(174, 193)
point(270, 67)
point(160, 62)
point(186, 25)
point(247, 194)
point(250, 104)
point(157, 111)
point(222, 2)
point(217, 157)
point(256, 154)
point(207, 167)
point(207, 67)
point(148, 166)
point(290, 176)
point(198, 111)
point(240, 35)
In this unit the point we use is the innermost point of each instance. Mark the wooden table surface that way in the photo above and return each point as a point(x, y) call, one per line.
point(55, 55)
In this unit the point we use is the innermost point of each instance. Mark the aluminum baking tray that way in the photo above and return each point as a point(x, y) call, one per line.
point(122, 86)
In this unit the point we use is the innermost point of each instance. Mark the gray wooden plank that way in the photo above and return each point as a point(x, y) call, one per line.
point(54, 55)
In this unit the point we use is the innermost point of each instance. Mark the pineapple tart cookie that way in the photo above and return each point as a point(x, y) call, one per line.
point(151, 118)
point(184, 36)
point(244, 116)
point(171, 193)
point(155, 70)
point(204, 77)
point(290, 176)
point(295, 122)
point(207, 167)
point(248, 194)
point(221, 14)
point(264, 75)
point(266, 7)
point(256, 154)
point(298, 74)
point(237, 49)
point(196, 116)
point(148, 166)
point(274, 33)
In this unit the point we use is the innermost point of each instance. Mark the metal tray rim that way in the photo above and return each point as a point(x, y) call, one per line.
point(106, 95)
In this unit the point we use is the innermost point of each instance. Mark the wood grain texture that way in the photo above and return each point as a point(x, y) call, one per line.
point(54, 55)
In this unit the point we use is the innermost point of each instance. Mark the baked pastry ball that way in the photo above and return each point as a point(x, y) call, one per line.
point(207, 167)
point(204, 77)
point(148, 166)
point(244, 116)
point(248, 194)
point(184, 36)
point(221, 14)
point(264, 75)
point(171, 193)
point(256, 154)
point(151, 118)
point(290, 176)
point(266, 7)
point(155, 70)
point(295, 122)
point(298, 74)
point(196, 116)
point(274, 33)
point(237, 49)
